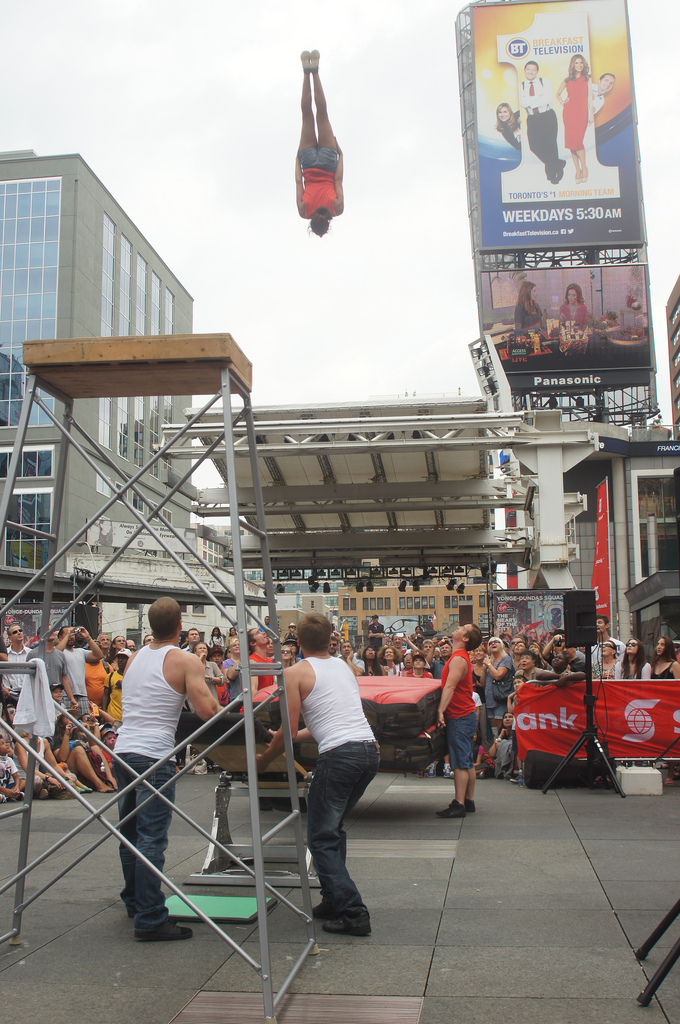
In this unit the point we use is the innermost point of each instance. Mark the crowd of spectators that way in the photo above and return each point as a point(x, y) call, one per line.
point(86, 678)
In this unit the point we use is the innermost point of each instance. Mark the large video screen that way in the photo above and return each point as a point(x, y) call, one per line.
point(568, 320)
point(555, 128)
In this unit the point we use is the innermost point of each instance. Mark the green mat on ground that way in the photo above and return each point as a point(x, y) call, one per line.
point(217, 908)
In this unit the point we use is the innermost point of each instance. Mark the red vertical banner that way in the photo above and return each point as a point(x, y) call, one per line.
point(601, 583)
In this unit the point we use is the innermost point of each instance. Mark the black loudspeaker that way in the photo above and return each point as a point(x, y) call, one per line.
point(539, 766)
point(87, 615)
point(580, 612)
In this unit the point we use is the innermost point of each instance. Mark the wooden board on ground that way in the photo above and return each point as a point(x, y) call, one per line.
point(163, 364)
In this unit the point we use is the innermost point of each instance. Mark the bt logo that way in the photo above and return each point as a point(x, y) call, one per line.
point(517, 48)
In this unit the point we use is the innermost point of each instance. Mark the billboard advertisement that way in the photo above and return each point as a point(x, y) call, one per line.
point(536, 614)
point(568, 322)
point(555, 130)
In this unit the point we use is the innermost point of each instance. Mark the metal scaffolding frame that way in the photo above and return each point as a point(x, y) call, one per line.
point(231, 383)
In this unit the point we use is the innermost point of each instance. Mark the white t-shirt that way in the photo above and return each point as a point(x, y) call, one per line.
point(74, 662)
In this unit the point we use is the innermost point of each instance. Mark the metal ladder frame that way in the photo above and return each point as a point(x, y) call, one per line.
point(87, 447)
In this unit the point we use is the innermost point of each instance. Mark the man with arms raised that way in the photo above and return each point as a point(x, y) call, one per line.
point(157, 680)
point(457, 712)
point(326, 691)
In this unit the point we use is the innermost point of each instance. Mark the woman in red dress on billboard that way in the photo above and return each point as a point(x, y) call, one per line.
point(319, 164)
point(577, 112)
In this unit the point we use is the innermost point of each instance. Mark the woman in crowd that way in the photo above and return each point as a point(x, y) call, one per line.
point(287, 656)
point(406, 663)
point(44, 783)
point(605, 667)
point(577, 112)
point(664, 665)
point(528, 313)
point(517, 647)
point(387, 656)
point(213, 675)
point(500, 672)
point(372, 666)
point(232, 669)
point(634, 664)
point(71, 748)
point(538, 651)
point(508, 124)
point(216, 637)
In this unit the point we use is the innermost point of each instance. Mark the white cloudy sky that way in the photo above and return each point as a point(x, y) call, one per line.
point(189, 113)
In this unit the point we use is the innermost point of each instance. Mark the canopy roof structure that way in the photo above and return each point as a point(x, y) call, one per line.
point(406, 481)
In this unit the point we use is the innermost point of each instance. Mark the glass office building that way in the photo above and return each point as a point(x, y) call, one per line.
point(73, 264)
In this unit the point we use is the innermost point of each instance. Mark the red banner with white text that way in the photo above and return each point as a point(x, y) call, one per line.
point(601, 582)
point(637, 718)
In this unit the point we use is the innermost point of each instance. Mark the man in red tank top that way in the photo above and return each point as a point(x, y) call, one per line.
point(319, 163)
point(458, 715)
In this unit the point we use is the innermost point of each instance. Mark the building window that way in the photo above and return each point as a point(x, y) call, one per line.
point(371, 604)
point(388, 604)
point(101, 486)
point(155, 303)
point(364, 604)
point(656, 497)
point(416, 602)
point(409, 602)
point(352, 604)
point(29, 229)
point(105, 422)
point(140, 293)
point(380, 604)
point(122, 427)
point(34, 462)
point(137, 503)
point(169, 312)
point(131, 607)
point(108, 275)
point(345, 604)
point(482, 600)
point(447, 602)
point(125, 292)
point(402, 603)
point(431, 602)
point(138, 431)
point(154, 429)
point(32, 509)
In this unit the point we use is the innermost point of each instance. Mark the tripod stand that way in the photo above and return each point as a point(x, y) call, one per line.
point(669, 960)
point(589, 738)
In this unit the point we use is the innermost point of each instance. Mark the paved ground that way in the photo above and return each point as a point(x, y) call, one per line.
point(533, 921)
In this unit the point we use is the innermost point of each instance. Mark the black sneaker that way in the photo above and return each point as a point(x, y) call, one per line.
point(359, 925)
point(167, 932)
point(470, 806)
point(324, 911)
point(454, 810)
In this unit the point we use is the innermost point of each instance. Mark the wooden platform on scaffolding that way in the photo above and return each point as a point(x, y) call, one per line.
point(159, 364)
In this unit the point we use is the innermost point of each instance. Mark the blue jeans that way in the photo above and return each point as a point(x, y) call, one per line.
point(148, 831)
point(460, 733)
point(340, 780)
point(323, 157)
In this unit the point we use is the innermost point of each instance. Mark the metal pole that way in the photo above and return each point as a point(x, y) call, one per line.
point(241, 615)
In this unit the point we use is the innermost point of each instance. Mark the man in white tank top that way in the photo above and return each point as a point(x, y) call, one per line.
point(156, 682)
point(326, 691)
